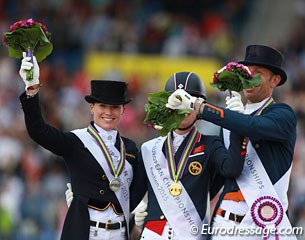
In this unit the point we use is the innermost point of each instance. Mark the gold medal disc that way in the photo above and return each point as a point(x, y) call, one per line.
point(175, 189)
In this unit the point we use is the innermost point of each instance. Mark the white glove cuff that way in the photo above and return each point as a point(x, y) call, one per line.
point(31, 92)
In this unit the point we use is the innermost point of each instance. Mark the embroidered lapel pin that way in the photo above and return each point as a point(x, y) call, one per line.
point(195, 168)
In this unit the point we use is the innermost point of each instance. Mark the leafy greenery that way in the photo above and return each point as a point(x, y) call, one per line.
point(31, 38)
point(159, 116)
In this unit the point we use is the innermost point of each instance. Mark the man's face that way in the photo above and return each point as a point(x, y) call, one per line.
point(265, 89)
point(107, 116)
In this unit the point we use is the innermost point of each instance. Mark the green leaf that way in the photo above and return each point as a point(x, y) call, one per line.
point(255, 81)
point(158, 114)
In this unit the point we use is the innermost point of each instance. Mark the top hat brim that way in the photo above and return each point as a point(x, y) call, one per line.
point(93, 99)
point(272, 68)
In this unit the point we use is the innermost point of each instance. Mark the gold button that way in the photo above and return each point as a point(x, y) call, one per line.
point(104, 177)
point(213, 110)
point(217, 112)
point(162, 217)
point(209, 109)
point(102, 192)
point(257, 145)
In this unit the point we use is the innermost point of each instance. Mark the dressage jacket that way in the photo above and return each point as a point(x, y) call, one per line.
point(272, 134)
point(212, 155)
point(88, 179)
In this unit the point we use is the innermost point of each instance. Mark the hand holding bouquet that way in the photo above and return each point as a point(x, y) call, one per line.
point(30, 37)
point(159, 116)
point(235, 77)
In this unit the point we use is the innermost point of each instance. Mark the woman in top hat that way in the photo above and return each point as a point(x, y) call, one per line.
point(100, 161)
point(258, 198)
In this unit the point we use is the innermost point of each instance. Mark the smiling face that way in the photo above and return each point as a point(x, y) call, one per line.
point(265, 89)
point(107, 116)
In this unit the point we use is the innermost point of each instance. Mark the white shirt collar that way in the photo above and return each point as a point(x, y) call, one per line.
point(251, 107)
point(109, 137)
point(178, 139)
point(176, 135)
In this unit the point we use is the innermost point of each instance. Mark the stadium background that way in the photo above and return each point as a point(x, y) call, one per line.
point(142, 42)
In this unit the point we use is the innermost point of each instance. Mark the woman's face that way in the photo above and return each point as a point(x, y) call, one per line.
point(187, 122)
point(106, 116)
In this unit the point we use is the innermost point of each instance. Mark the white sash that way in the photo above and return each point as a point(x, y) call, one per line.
point(254, 183)
point(126, 176)
point(179, 211)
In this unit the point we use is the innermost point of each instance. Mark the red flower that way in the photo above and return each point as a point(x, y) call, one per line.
point(27, 24)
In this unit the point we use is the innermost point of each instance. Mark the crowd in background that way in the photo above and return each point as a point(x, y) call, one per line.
point(32, 180)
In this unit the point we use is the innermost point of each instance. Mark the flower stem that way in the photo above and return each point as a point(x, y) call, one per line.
point(230, 93)
point(29, 73)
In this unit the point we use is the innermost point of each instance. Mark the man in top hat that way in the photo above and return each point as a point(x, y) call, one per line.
point(100, 161)
point(178, 169)
point(258, 198)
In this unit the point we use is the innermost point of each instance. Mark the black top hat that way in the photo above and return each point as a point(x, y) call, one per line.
point(266, 57)
point(108, 92)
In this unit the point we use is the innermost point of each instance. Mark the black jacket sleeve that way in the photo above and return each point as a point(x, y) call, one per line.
point(229, 163)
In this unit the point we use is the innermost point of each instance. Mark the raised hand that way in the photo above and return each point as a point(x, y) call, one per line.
point(27, 65)
point(234, 103)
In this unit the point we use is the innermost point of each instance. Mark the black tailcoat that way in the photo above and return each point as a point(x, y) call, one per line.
point(87, 176)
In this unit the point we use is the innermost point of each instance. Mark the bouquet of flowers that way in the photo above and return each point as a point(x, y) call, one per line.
point(30, 37)
point(235, 77)
point(159, 116)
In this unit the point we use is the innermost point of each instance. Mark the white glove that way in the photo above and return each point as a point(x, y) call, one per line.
point(234, 103)
point(140, 214)
point(27, 65)
point(69, 194)
point(180, 99)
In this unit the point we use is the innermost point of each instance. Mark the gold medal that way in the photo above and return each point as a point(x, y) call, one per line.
point(175, 189)
point(115, 184)
point(176, 172)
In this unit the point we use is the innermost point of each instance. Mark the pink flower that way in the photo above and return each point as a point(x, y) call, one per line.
point(230, 64)
point(3, 41)
point(30, 21)
point(26, 24)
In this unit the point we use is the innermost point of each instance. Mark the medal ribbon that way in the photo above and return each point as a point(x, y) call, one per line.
point(115, 172)
point(175, 173)
point(266, 104)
